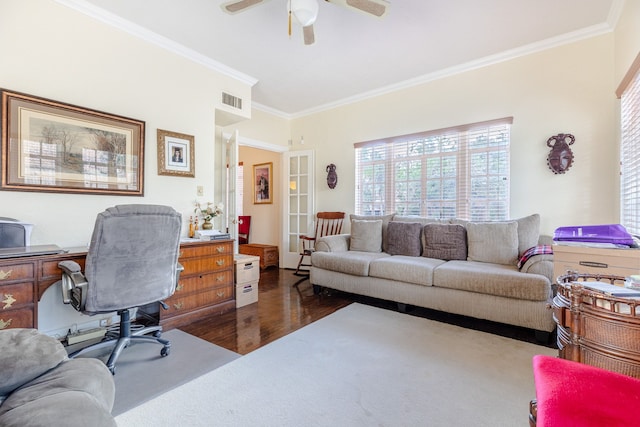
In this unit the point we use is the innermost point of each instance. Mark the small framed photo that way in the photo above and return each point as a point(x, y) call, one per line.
point(262, 181)
point(176, 154)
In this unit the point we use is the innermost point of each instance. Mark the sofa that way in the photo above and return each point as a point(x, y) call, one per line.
point(499, 271)
point(41, 386)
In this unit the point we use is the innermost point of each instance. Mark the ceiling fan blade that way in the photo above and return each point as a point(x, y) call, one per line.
point(377, 8)
point(236, 6)
point(309, 36)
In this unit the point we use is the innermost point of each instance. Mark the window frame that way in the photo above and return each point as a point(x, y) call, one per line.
point(389, 153)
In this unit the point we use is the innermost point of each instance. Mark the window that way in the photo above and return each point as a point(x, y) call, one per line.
point(629, 94)
point(459, 172)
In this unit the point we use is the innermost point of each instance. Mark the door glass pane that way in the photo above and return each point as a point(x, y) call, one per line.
point(293, 165)
point(293, 204)
point(304, 165)
point(304, 185)
point(293, 243)
point(293, 224)
point(303, 205)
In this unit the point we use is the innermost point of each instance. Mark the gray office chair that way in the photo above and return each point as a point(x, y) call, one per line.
point(132, 261)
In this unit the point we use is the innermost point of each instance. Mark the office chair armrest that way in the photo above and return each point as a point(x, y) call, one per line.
point(72, 278)
point(179, 269)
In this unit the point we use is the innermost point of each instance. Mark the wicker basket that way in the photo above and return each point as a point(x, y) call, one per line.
point(596, 328)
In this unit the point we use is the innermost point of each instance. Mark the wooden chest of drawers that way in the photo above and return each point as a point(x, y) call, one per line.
point(206, 285)
point(268, 253)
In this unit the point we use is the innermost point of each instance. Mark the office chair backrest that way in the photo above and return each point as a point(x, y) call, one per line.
point(328, 223)
point(132, 257)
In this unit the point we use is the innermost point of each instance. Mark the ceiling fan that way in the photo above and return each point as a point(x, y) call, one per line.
point(306, 11)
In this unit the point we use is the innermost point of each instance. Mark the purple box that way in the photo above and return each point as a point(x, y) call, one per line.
point(607, 233)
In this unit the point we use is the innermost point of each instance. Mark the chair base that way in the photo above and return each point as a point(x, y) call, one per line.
point(125, 337)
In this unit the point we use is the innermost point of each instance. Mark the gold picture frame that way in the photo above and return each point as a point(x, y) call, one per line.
point(263, 183)
point(176, 154)
point(51, 146)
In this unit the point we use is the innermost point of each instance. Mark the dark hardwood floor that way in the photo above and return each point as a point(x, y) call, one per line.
point(282, 309)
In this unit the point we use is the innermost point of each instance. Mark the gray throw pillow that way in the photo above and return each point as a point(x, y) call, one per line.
point(366, 236)
point(494, 242)
point(403, 238)
point(25, 355)
point(445, 241)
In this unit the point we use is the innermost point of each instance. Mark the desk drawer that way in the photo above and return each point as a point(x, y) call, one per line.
point(15, 272)
point(14, 296)
point(207, 264)
point(22, 318)
point(204, 282)
point(202, 250)
point(179, 305)
point(50, 269)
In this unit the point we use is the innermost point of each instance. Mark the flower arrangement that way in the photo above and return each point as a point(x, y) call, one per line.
point(210, 211)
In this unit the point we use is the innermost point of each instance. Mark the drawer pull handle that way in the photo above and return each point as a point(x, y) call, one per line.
point(220, 249)
point(220, 278)
point(5, 274)
point(220, 294)
point(220, 262)
point(179, 287)
point(593, 264)
point(8, 301)
point(179, 305)
point(4, 325)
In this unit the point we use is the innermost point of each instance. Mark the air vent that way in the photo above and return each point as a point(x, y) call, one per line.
point(232, 101)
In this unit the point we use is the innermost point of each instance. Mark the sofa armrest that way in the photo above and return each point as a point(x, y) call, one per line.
point(335, 243)
point(540, 264)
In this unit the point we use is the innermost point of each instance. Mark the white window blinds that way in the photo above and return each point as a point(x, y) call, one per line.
point(458, 172)
point(630, 150)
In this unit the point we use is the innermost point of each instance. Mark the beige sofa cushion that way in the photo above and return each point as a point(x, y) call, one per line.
point(366, 236)
point(350, 262)
point(492, 279)
point(528, 232)
point(403, 238)
point(493, 242)
point(384, 218)
point(417, 270)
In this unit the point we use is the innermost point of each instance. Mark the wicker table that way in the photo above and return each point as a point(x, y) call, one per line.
point(595, 328)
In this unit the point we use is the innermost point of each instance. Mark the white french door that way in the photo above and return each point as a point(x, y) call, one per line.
point(230, 160)
point(299, 205)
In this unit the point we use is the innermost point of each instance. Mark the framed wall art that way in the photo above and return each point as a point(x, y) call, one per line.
point(176, 154)
point(56, 147)
point(262, 181)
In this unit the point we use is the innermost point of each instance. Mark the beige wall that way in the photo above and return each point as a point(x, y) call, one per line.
point(568, 89)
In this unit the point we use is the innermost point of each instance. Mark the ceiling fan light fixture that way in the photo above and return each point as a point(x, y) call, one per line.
point(305, 11)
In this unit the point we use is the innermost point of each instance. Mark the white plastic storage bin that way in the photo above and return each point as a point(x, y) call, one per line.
point(247, 268)
point(246, 293)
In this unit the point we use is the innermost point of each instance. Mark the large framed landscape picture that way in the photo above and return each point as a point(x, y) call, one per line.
point(56, 147)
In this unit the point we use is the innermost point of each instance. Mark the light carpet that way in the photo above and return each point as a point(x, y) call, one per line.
point(142, 374)
point(360, 366)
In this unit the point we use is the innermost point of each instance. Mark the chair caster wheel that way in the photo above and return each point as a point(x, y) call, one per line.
point(165, 351)
point(157, 334)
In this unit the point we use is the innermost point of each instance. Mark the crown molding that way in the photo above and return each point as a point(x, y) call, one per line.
point(135, 30)
point(572, 37)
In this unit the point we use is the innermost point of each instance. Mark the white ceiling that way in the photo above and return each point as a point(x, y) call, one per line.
point(355, 55)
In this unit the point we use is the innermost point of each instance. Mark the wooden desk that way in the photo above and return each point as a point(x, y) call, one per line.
point(206, 284)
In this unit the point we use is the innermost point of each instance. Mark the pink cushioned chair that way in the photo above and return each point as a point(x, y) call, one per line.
point(574, 394)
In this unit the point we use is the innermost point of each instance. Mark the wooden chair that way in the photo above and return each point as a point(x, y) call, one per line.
point(327, 224)
point(244, 226)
